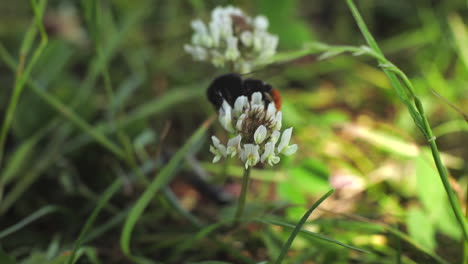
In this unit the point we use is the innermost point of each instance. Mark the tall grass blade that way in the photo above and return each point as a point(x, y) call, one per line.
point(299, 226)
point(417, 112)
point(110, 191)
point(28, 220)
point(160, 180)
point(23, 72)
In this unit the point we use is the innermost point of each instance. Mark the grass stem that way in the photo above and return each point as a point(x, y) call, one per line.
point(417, 111)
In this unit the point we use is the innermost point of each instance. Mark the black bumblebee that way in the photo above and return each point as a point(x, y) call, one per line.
point(230, 86)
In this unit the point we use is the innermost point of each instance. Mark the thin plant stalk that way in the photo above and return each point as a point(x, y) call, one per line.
point(23, 71)
point(299, 226)
point(243, 195)
point(396, 76)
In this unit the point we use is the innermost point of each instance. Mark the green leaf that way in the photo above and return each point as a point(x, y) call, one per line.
point(420, 228)
point(292, 34)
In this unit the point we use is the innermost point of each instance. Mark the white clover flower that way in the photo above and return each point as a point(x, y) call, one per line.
point(232, 38)
point(256, 128)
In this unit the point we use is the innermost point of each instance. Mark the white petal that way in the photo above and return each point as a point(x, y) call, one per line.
point(232, 52)
point(269, 149)
point(215, 140)
point(216, 158)
point(271, 110)
point(235, 141)
point(239, 122)
point(246, 151)
point(278, 120)
point(256, 99)
point(199, 27)
point(240, 103)
point(225, 116)
point(285, 139)
point(247, 38)
point(260, 134)
point(275, 137)
point(253, 157)
point(257, 43)
point(233, 146)
point(261, 23)
point(289, 150)
point(272, 160)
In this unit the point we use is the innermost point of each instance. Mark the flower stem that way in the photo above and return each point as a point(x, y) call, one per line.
point(243, 195)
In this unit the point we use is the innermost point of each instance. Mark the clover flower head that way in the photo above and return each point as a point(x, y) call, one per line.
point(256, 128)
point(232, 38)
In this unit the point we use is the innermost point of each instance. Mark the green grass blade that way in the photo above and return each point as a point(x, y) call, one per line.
point(28, 220)
point(312, 234)
point(65, 111)
point(163, 177)
point(111, 190)
point(299, 226)
point(23, 74)
point(417, 112)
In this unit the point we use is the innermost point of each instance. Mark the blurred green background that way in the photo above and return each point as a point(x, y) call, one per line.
point(112, 100)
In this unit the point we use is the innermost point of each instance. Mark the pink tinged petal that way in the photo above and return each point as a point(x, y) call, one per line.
point(260, 134)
